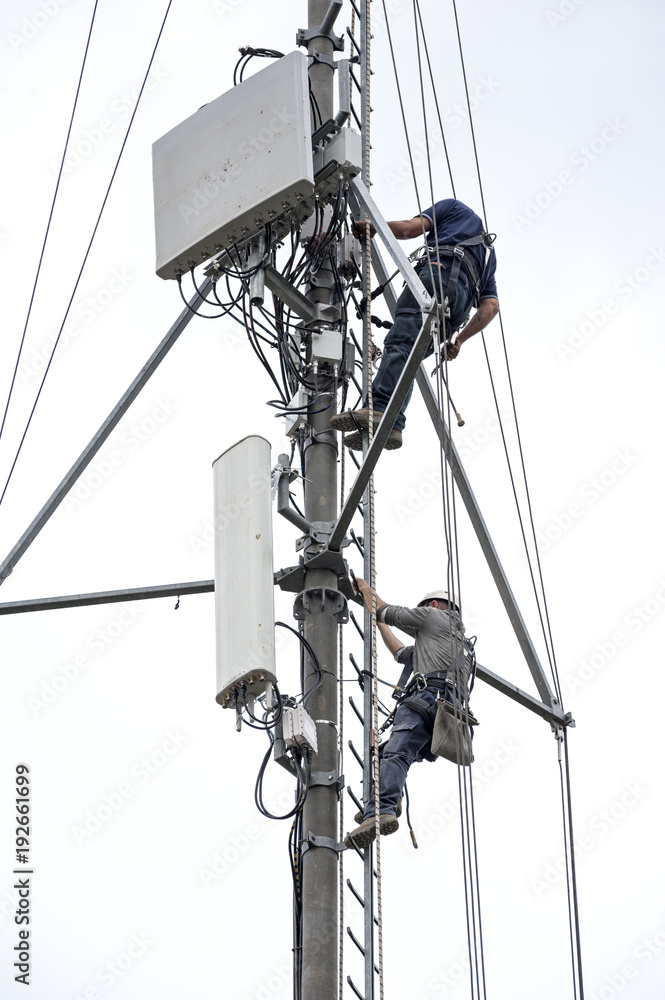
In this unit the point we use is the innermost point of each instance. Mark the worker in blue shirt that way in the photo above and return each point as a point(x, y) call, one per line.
point(458, 263)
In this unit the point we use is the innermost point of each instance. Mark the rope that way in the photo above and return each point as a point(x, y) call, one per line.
point(367, 282)
point(340, 980)
point(467, 814)
point(87, 253)
point(50, 217)
point(545, 625)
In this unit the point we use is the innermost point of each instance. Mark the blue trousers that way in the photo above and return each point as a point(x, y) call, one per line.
point(406, 327)
point(408, 743)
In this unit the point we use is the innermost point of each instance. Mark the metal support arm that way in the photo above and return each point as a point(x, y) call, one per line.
point(308, 311)
point(91, 449)
point(108, 597)
point(478, 522)
point(382, 432)
point(552, 713)
point(362, 201)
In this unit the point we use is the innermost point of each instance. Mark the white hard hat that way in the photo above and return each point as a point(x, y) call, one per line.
point(439, 595)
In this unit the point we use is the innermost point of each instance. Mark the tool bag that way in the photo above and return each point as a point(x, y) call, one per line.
point(452, 734)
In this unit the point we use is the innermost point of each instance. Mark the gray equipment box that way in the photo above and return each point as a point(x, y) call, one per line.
point(240, 162)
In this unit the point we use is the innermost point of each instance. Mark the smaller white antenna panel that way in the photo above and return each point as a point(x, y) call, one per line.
point(238, 163)
point(244, 584)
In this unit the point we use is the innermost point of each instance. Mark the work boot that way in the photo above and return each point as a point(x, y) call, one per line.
point(355, 440)
point(351, 420)
point(359, 816)
point(364, 834)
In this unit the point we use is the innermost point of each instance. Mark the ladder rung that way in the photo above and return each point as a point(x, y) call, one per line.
point(356, 801)
point(359, 946)
point(357, 711)
point(356, 754)
point(360, 631)
point(355, 941)
point(354, 988)
point(359, 898)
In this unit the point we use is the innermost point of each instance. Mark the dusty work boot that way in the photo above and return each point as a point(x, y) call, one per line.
point(360, 816)
point(364, 834)
point(355, 440)
point(351, 420)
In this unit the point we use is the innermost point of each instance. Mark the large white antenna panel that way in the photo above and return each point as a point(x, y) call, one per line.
point(240, 162)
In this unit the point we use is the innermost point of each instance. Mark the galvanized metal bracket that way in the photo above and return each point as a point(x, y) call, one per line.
point(323, 30)
point(327, 778)
point(313, 840)
point(321, 599)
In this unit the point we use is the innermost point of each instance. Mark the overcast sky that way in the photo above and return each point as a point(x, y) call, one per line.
point(183, 889)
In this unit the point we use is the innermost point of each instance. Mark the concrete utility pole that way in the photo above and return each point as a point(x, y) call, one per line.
point(319, 866)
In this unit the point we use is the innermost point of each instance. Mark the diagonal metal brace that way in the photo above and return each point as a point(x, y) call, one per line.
point(113, 419)
point(363, 203)
point(551, 706)
point(310, 312)
point(383, 430)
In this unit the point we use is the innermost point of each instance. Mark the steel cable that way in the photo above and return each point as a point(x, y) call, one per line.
point(87, 252)
point(50, 217)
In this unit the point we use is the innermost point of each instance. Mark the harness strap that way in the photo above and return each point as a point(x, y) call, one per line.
point(403, 678)
point(422, 707)
point(455, 251)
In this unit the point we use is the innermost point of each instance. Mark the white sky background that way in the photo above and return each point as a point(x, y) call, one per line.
point(548, 86)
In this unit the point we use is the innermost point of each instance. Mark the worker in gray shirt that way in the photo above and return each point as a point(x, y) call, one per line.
point(442, 656)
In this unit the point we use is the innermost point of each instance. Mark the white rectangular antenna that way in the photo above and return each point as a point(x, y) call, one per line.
point(244, 587)
point(240, 162)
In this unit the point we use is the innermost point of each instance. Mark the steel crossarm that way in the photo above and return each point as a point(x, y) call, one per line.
point(363, 204)
point(111, 422)
point(108, 597)
point(486, 543)
point(552, 713)
point(383, 430)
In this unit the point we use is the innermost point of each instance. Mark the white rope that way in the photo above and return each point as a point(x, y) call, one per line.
point(367, 282)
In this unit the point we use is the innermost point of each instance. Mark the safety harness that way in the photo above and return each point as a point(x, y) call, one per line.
point(461, 260)
point(408, 688)
point(427, 255)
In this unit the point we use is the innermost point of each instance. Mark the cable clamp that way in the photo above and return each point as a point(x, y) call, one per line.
point(329, 779)
point(320, 57)
point(324, 599)
point(313, 840)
